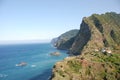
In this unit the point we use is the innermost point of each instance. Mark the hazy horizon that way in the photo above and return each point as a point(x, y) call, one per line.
point(22, 20)
point(6, 42)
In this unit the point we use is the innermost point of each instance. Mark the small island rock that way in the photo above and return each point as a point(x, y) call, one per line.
point(55, 54)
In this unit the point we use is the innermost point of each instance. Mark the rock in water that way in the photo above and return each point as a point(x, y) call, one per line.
point(55, 54)
point(21, 64)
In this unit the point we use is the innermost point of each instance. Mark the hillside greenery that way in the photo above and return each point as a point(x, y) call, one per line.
point(98, 33)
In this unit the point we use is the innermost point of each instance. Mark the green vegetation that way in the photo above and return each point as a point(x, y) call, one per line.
point(97, 32)
point(88, 71)
point(75, 65)
point(61, 73)
point(94, 66)
point(109, 26)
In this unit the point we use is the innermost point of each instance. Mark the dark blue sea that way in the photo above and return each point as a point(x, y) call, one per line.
point(38, 59)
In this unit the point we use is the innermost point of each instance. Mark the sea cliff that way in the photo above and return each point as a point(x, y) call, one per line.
point(97, 50)
point(65, 40)
point(97, 31)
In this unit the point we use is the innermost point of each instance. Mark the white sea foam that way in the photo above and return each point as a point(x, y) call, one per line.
point(33, 65)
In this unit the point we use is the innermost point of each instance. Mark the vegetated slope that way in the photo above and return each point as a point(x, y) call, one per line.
point(98, 31)
point(97, 47)
point(65, 40)
point(93, 66)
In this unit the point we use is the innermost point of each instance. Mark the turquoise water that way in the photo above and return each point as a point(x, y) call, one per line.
point(38, 59)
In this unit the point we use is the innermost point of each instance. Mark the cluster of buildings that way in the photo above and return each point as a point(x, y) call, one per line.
point(104, 50)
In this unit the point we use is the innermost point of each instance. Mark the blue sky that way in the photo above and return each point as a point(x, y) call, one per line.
point(46, 19)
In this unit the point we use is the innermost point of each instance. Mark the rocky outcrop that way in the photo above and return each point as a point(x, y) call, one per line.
point(55, 54)
point(65, 40)
point(97, 46)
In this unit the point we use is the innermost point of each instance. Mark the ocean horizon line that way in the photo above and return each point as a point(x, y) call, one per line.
point(10, 42)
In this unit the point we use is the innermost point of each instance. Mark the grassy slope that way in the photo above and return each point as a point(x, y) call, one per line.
point(93, 66)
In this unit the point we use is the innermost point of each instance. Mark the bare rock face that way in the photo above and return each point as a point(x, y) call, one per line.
point(81, 40)
point(97, 33)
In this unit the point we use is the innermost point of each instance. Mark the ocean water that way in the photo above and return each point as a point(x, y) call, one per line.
point(38, 59)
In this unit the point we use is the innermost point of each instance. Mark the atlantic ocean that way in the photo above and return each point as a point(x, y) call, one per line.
point(38, 59)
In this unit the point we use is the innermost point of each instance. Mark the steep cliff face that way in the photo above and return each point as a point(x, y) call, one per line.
point(65, 40)
point(97, 46)
point(81, 39)
point(97, 31)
